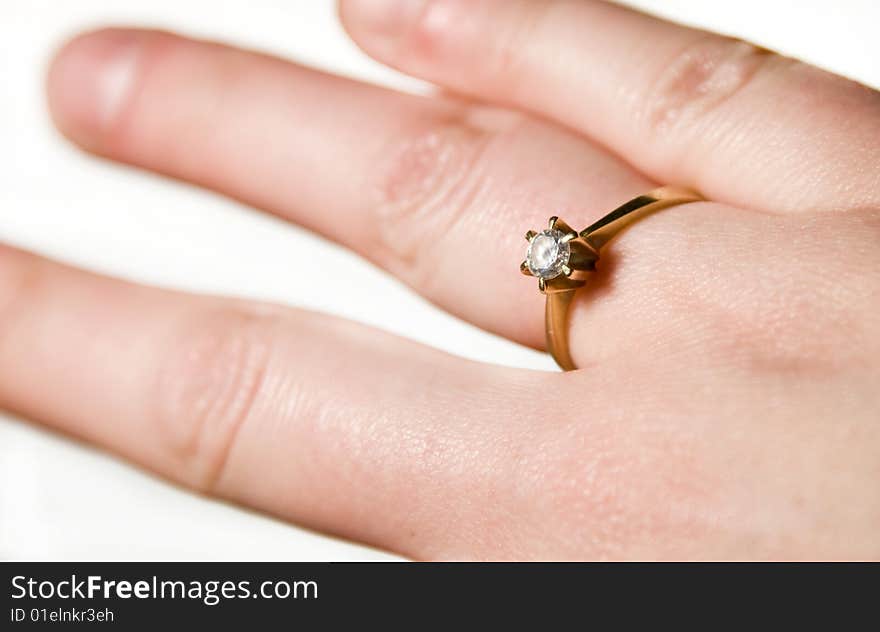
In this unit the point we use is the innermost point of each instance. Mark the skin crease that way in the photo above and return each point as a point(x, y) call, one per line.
point(727, 403)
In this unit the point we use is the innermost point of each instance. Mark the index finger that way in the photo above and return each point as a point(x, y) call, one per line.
point(737, 122)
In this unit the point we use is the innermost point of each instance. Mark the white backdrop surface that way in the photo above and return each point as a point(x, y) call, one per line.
point(60, 499)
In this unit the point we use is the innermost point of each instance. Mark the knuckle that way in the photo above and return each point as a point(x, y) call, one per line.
point(425, 187)
point(431, 35)
point(434, 39)
point(208, 385)
point(703, 76)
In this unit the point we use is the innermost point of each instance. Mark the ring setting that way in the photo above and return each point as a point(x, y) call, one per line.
point(561, 258)
point(548, 253)
point(554, 256)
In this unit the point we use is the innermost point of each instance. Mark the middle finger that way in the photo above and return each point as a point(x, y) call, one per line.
point(409, 182)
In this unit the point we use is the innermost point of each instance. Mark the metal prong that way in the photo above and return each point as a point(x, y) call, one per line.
point(530, 235)
point(582, 257)
point(562, 227)
point(542, 284)
point(552, 222)
point(569, 236)
point(524, 268)
point(566, 270)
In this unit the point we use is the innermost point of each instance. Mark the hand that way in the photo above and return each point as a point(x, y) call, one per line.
point(727, 404)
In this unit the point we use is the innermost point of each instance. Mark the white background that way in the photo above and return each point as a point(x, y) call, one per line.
point(59, 499)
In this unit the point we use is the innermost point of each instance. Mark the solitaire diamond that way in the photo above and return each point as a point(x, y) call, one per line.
point(547, 254)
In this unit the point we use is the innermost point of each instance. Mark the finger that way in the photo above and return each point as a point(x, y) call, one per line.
point(308, 417)
point(742, 125)
point(437, 191)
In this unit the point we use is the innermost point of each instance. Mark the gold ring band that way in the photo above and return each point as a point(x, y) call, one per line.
point(561, 259)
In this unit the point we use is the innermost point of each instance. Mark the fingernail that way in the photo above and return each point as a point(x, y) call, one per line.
point(89, 81)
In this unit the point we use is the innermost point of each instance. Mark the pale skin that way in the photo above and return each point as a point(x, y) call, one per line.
point(727, 404)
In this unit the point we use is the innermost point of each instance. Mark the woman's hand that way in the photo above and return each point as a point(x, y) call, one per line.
point(728, 404)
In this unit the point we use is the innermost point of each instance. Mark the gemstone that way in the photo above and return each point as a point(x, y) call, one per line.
point(547, 254)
